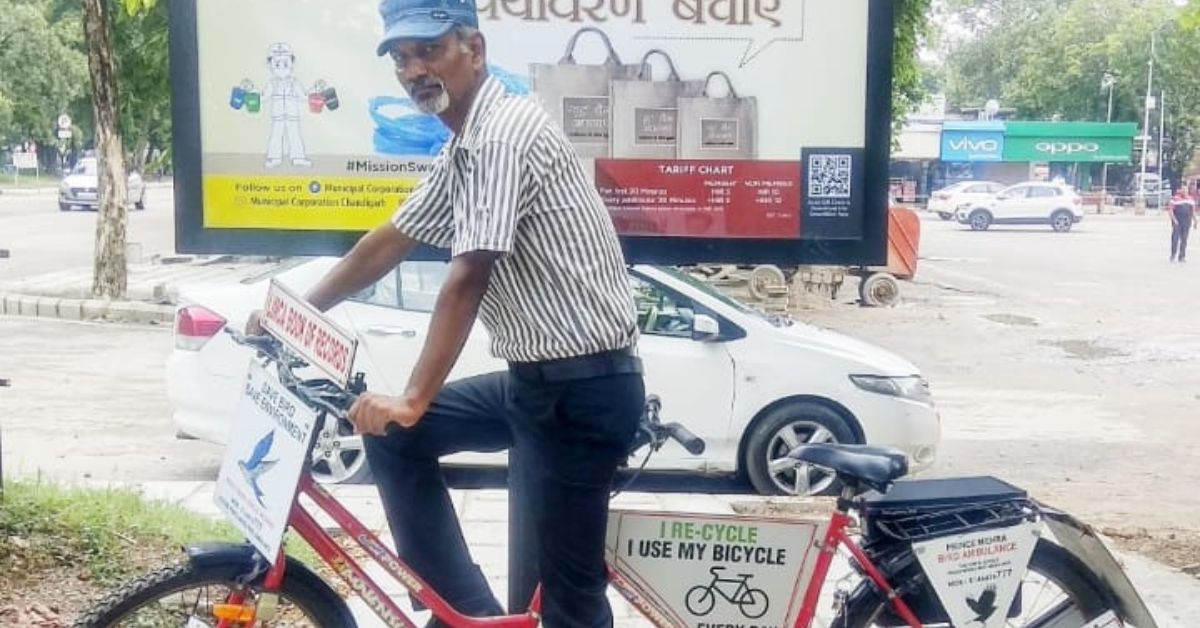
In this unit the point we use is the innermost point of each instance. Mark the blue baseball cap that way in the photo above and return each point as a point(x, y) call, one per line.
point(423, 19)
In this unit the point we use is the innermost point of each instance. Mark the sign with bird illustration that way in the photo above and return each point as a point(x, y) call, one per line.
point(261, 469)
point(977, 575)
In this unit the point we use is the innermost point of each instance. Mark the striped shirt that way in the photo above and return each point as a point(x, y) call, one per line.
point(512, 183)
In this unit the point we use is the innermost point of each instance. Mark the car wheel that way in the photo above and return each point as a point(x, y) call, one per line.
point(945, 215)
point(1062, 221)
point(980, 220)
point(879, 290)
point(338, 456)
point(781, 430)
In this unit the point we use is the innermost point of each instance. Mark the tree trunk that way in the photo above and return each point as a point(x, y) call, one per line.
point(109, 278)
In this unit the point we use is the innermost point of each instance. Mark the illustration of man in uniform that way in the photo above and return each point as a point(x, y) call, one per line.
point(286, 94)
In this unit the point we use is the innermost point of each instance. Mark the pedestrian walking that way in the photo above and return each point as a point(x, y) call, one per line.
point(1182, 211)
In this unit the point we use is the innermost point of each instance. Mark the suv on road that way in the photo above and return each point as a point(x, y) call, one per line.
point(1030, 203)
point(947, 200)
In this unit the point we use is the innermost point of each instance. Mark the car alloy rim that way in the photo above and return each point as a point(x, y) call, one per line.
point(979, 221)
point(337, 455)
point(1061, 221)
point(788, 474)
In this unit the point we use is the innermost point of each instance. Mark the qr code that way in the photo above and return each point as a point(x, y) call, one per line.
point(829, 176)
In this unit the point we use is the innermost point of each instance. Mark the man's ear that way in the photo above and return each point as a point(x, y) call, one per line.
point(478, 46)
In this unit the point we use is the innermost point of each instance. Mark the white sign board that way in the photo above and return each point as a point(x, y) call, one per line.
point(307, 331)
point(25, 161)
point(261, 469)
point(704, 571)
point(977, 575)
point(64, 121)
point(64, 134)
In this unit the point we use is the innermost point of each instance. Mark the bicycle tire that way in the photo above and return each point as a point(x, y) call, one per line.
point(752, 598)
point(301, 589)
point(697, 607)
point(1054, 564)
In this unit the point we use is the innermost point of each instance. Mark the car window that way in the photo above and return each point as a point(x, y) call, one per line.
point(1042, 192)
point(419, 284)
point(977, 189)
point(383, 292)
point(1020, 191)
point(661, 313)
point(995, 187)
point(412, 286)
point(85, 168)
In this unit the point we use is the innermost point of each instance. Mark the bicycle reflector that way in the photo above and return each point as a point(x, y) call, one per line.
point(194, 326)
point(234, 612)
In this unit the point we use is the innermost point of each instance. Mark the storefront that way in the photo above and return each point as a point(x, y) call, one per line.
point(974, 150)
point(914, 166)
point(1072, 151)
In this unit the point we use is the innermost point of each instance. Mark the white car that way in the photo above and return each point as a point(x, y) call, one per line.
point(752, 386)
point(946, 201)
point(80, 188)
point(1032, 203)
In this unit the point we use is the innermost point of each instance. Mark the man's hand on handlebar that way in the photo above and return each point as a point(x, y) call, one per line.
point(372, 413)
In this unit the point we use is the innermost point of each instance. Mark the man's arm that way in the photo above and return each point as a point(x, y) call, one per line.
point(371, 258)
point(453, 315)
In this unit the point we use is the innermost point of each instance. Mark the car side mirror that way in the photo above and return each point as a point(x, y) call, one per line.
point(705, 328)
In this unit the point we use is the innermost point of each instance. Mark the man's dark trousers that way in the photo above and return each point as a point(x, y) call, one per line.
point(572, 430)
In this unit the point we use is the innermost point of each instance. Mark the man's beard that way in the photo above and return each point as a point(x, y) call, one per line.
point(431, 105)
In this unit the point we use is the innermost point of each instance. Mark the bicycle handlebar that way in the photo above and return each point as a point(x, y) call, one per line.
point(323, 394)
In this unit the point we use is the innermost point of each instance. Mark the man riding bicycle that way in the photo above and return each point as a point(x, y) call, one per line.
point(536, 257)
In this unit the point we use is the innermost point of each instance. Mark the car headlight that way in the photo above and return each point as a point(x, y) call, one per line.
point(911, 387)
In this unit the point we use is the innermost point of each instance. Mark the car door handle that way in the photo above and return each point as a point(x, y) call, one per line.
point(388, 330)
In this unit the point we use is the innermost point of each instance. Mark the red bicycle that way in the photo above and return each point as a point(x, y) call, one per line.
point(913, 550)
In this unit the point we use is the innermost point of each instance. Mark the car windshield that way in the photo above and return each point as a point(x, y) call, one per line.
point(778, 321)
point(87, 168)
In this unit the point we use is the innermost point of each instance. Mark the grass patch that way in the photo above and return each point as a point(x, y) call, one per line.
point(27, 180)
point(111, 534)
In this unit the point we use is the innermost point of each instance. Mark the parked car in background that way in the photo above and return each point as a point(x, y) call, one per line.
point(1030, 203)
point(946, 201)
point(80, 188)
point(752, 386)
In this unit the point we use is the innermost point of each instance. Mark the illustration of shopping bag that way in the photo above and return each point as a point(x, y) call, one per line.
point(237, 96)
point(316, 98)
point(577, 95)
point(645, 116)
point(718, 128)
point(331, 99)
point(253, 101)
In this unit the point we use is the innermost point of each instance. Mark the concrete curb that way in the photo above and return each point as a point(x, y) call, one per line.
point(86, 309)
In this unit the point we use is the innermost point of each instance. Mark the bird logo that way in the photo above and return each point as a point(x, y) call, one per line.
point(985, 606)
point(256, 465)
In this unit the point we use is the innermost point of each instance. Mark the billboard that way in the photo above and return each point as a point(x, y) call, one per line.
point(747, 131)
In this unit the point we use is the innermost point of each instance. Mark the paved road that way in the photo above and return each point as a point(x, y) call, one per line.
point(1067, 362)
point(41, 239)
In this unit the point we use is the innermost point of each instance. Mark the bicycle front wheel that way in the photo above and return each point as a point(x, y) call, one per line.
point(185, 595)
point(1057, 589)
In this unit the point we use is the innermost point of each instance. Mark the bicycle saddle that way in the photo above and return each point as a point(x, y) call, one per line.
point(862, 465)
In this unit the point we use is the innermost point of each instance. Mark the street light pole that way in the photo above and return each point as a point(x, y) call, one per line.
point(1162, 125)
point(1109, 81)
point(1141, 196)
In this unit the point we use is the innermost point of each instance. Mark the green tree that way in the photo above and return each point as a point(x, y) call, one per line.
point(42, 70)
point(912, 28)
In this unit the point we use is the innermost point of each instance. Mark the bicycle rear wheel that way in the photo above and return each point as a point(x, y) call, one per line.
point(1057, 590)
point(185, 594)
